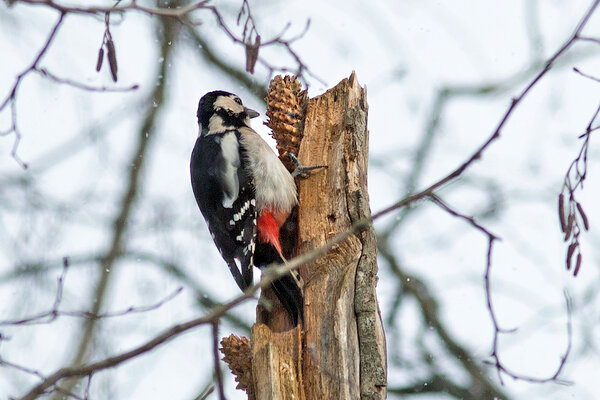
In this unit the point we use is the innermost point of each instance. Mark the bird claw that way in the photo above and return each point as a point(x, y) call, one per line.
point(302, 170)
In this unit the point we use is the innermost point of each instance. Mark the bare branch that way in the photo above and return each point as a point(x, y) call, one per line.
point(470, 220)
point(145, 134)
point(127, 311)
point(496, 133)
point(430, 310)
point(501, 368)
point(87, 369)
point(130, 6)
point(181, 14)
point(431, 190)
point(170, 267)
point(34, 65)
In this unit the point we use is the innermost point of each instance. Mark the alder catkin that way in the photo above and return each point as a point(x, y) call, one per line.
point(569, 226)
point(252, 54)
point(100, 59)
point(584, 217)
point(577, 264)
point(561, 212)
point(112, 58)
point(570, 252)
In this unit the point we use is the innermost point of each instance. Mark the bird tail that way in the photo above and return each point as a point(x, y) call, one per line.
point(289, 292)
point(287, 288)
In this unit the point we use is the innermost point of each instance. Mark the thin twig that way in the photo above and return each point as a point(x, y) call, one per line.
point(86, 392)
point(589, 39)
point(49, 316)
point(206, 392)
point(11, 98)
point(44, 72)
point(217, 359)
point(52, 314)
point(577, 70)
point(437, 200)
point(501, 368)
point(21, 368)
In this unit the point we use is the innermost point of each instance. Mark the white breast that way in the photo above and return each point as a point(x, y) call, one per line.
point(275, 186)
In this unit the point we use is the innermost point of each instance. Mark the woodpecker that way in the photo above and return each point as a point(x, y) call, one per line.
point(245, 194)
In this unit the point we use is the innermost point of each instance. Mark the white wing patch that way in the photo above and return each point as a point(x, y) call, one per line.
point(230, 151)
point(240, 214)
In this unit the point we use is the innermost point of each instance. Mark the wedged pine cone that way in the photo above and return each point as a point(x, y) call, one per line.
point(238, 356)
point(286, 103)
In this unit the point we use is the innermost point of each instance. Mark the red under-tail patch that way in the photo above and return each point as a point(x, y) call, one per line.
point(268, 230)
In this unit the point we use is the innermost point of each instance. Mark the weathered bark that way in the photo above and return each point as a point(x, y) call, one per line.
point(341, 353)
point(344, 356)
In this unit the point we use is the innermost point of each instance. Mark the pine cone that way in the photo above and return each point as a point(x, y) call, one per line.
point(286, 106)
point(237, 355)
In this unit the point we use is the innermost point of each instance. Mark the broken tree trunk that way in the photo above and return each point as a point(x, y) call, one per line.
point(344, 355)
point(341, 352)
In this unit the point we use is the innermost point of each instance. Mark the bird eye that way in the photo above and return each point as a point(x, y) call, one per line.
point(238, 100)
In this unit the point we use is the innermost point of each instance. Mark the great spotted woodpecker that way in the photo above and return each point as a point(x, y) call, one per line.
point(244, 193)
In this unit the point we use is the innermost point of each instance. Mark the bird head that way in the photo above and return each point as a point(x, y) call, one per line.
point(220, 111)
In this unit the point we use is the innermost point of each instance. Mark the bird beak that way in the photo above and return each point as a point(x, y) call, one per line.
point(250, 112)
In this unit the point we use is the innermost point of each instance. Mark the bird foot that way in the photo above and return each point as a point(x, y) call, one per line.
point(302, 170)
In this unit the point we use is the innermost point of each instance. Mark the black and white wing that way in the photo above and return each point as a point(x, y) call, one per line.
point(226, 199)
